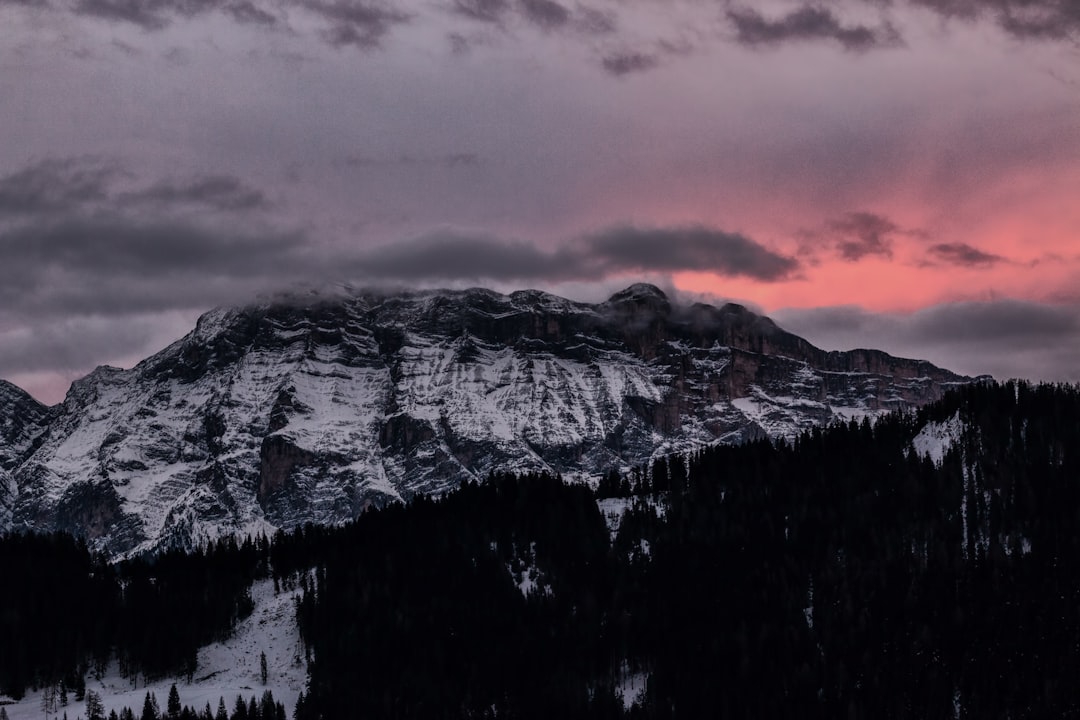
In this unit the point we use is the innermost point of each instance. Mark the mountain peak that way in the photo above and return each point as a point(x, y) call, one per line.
point(311, 409)
point(639, 292)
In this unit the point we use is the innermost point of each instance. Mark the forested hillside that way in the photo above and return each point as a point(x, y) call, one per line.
point(925, 566)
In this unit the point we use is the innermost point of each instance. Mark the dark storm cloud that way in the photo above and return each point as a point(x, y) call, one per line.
point(247, 12)
point(361, 24)
point(54, 188)
point(808, 23)
point(1003, 338)
point(863, 234)
point(1023, 19)
point(104, 265)
point(73, 242)
point(491, 11)
point(997, 324)
point(545, 13)
point(75, 345)
point(687, 249)
point(619, 64)
point(56, 185)
point(352, 22)
point(220, 192)
point(451, 256)
point(147, 15)
point(964, 255)
point(619, 251)
point(365, 23)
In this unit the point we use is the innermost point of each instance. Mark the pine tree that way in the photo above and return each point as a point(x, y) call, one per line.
point(262, 667)
point(3, 714)
point(95, 709)
point(222, 713)
point(49, 698)
point(239, 710)
point(150, 708)
point(172, 706)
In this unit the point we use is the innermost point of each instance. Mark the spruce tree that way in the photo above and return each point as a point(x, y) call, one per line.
point(262, 667)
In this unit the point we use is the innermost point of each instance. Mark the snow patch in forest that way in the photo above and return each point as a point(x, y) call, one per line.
point(937, 438)
point(225, 669)
point(613, 509)
point(527, 575)
point(631, 686)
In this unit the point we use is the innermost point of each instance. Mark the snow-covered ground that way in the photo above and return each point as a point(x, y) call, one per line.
point(225, 669)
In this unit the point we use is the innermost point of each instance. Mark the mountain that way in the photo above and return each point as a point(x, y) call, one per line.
point(312, 408)
point(22, 421)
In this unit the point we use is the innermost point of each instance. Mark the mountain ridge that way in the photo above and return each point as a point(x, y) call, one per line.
point(312, 408)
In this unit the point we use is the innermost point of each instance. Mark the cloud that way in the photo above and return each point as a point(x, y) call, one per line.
point(1023, 19)
point(220, 192)
point(81, 235)
point(547, 14)
point(449, 160)
point(808, 23)
point(698, 248)
point(490, 11)
point(147, 15)
point(352, 22)
point(119, 265)
point(1004, 338)
point(964, 255)
point(450, 255)
point(619, 64)
point(246, 12)
point(56, 185)
point(863, 234)
point(595, 22)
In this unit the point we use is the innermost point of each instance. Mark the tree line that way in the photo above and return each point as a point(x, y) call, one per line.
point(840, 575)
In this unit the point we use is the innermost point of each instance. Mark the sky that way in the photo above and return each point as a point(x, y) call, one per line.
point(897, 174)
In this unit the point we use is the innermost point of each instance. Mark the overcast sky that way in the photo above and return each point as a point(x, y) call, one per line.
point(898, 174)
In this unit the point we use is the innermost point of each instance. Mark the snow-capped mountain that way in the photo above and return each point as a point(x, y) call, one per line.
point(310, 409)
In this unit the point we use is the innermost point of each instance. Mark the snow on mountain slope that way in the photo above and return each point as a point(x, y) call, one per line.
point(225, 670)
point(936, 439)
point(310, 409)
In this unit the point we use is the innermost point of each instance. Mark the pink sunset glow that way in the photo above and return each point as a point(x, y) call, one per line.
point(899, 175)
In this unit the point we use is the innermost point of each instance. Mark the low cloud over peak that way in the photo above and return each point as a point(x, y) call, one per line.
point(451, 255)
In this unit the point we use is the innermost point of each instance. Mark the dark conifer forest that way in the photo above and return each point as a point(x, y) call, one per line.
point(839, 576)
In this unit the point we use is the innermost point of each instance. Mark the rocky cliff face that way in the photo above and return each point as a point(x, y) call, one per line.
point(312, 409)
